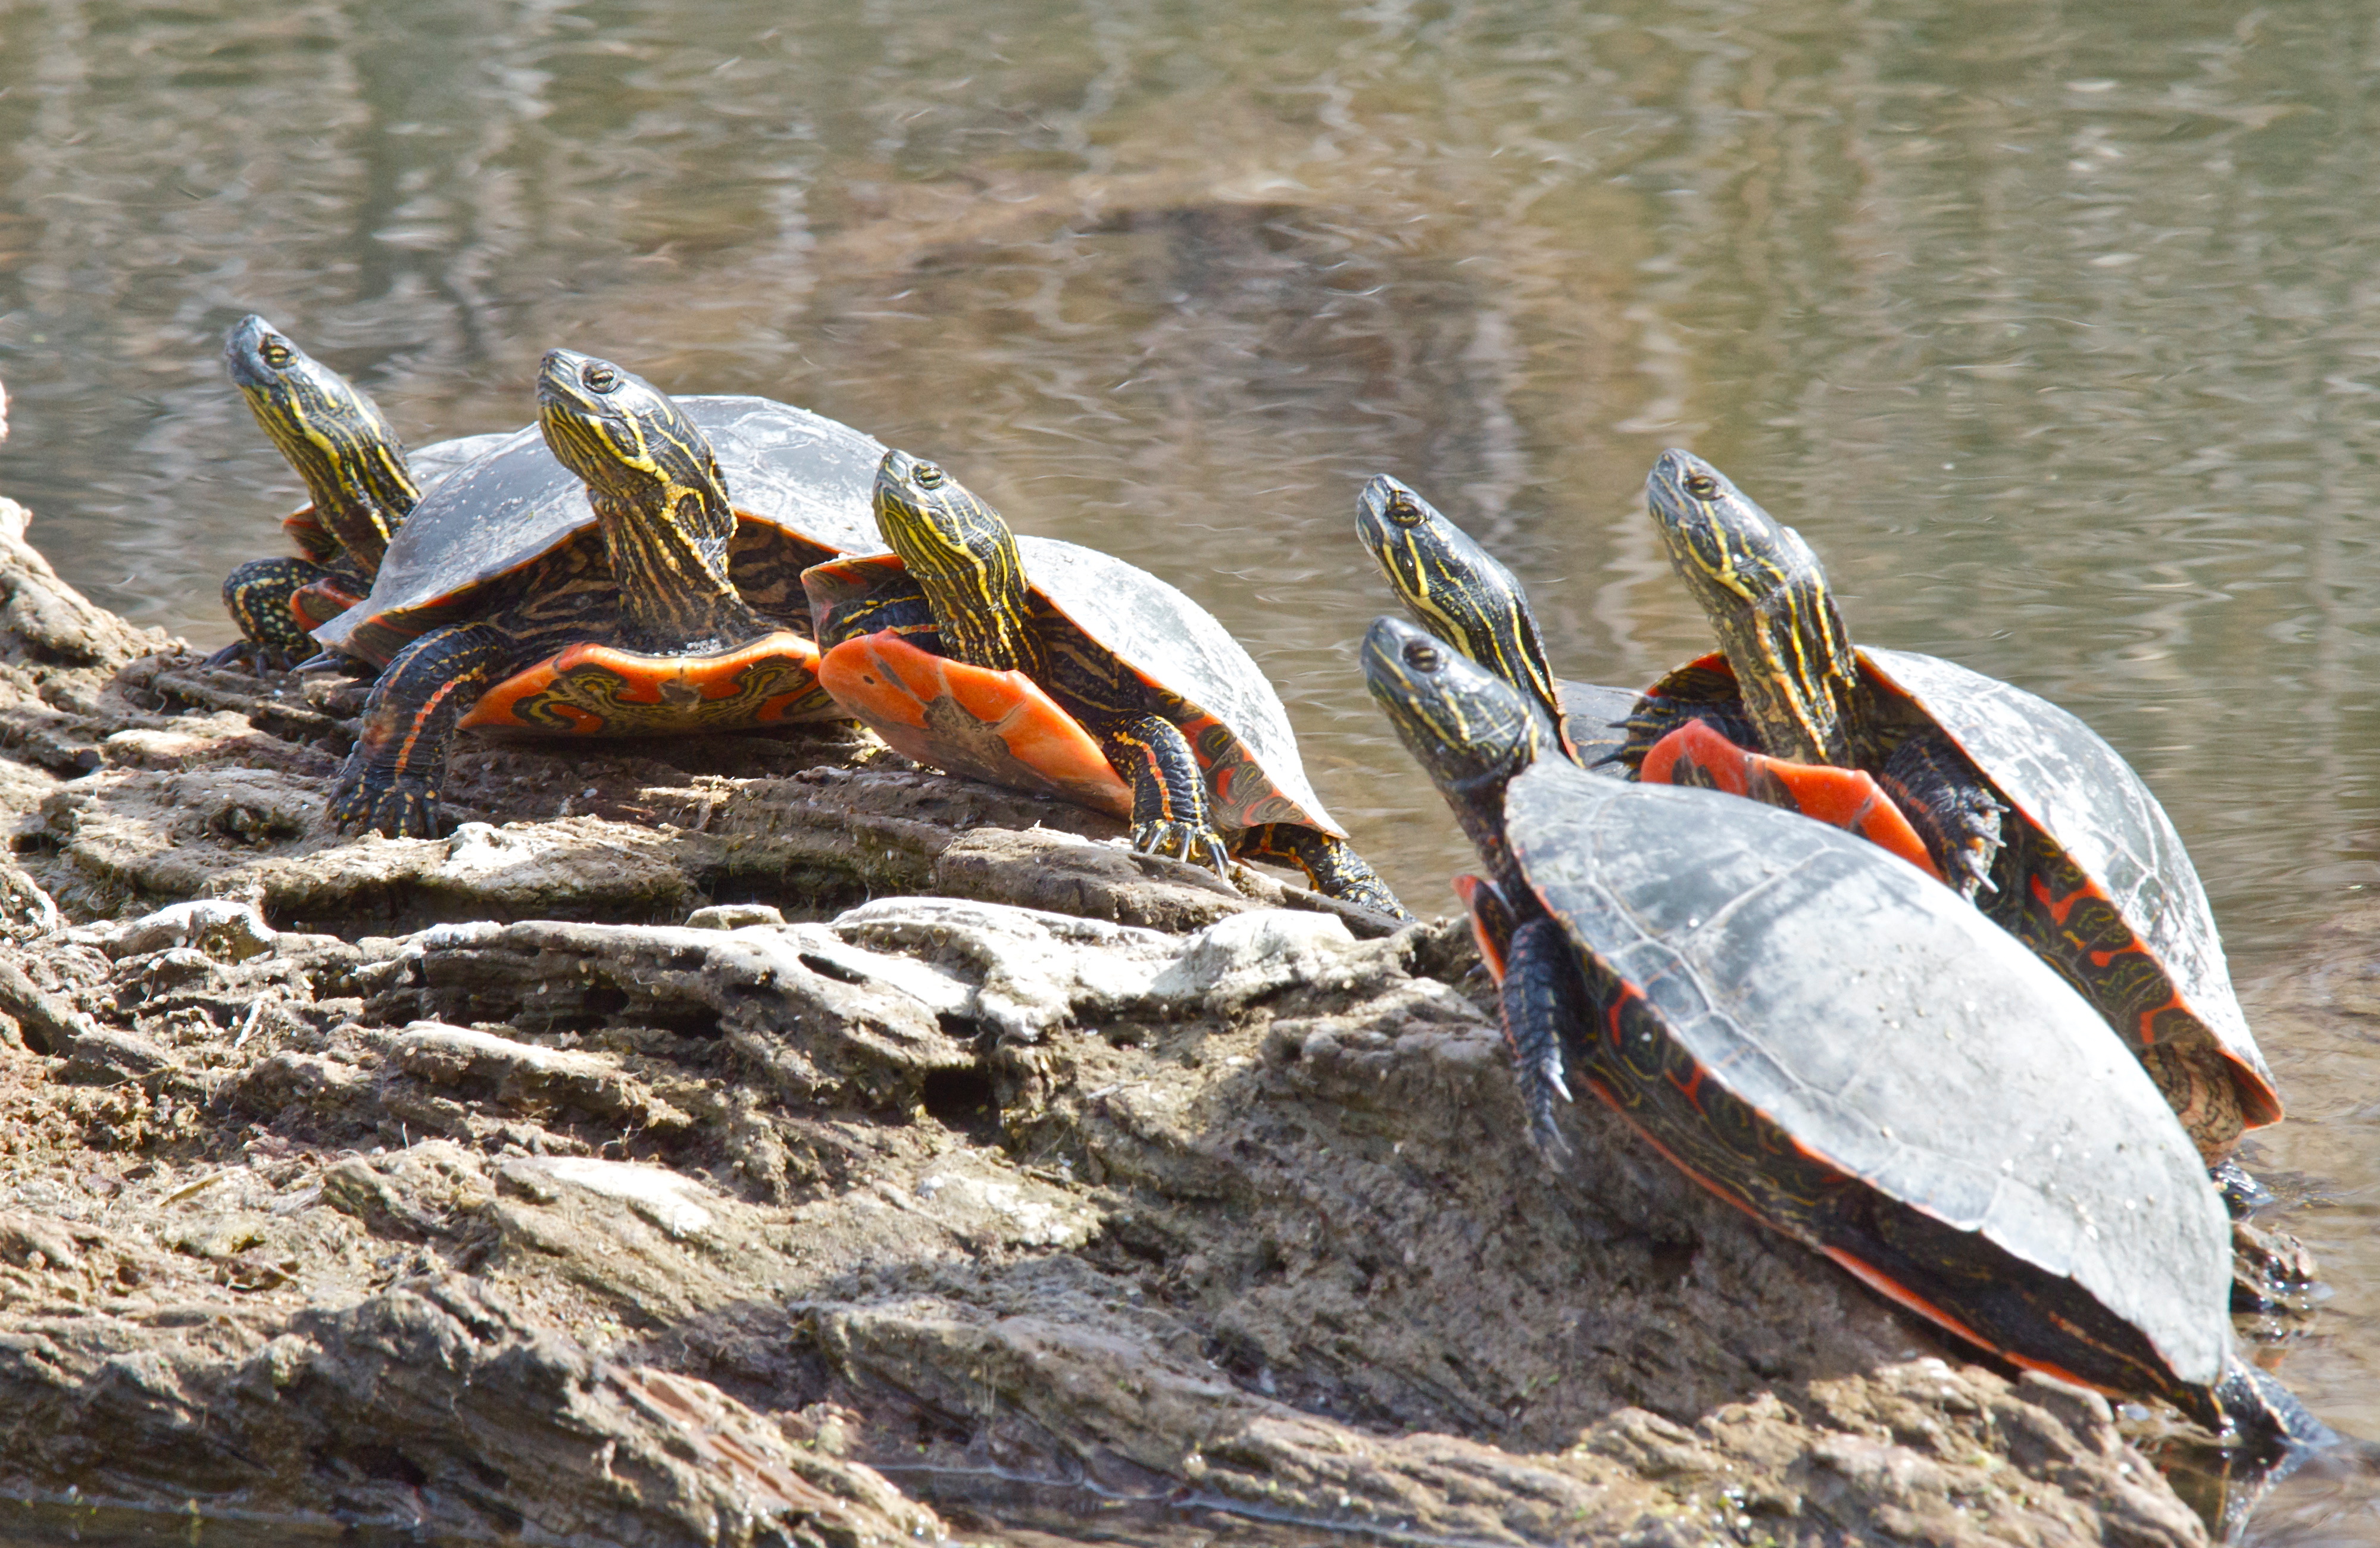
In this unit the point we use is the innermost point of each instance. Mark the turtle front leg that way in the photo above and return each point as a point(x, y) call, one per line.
point(1539, 995)
point(1332, 867)
point(1948, 805)
point(1169, 791)
point(1656, 716)
point(390, 782)
point(259, 594)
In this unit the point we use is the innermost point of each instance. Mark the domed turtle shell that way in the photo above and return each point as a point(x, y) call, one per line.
point(1171, 643)
point(807, 476)
point(2070, 783)
point(2065, 781)
point(1891, 1033)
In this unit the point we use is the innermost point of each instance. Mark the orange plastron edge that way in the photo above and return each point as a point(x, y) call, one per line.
point(997, 726)
point(320, 601)
point(1467, 889)
point(595, 690)
point(1845, 798)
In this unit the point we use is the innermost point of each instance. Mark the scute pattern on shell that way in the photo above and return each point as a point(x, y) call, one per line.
point(800, 472)
point(2075, 785)
point(1177, 645)
point(1885, 1024)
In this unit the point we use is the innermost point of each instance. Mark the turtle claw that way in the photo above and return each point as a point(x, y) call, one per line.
point(1540, 1072)
point(400, 807)
point(1180, 840)
point(258, 658)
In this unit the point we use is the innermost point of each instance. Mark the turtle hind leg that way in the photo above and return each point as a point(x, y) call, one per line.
point(259, 594)
point(1169, 793)
point(390, 781)
point(1331, 866)
point(1948, 805)
point(1537, 974)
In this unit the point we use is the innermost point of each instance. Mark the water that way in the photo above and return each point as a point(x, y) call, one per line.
point(2052, 327)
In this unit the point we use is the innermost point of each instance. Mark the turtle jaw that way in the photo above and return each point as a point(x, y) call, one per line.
point(659, 499)
point(1455, 589)
point(1766, 596)
point(330, 432)
point(964, 557)
point(1471, 731)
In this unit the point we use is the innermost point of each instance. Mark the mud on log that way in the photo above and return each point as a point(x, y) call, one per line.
point(782, 1137)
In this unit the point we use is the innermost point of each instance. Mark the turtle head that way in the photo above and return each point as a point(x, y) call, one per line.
point(331, 431)
point(962, 555)
point(1469, 729)
point(622, 435)
point(1766, 596)
point(1455, 589)
point(655, 484)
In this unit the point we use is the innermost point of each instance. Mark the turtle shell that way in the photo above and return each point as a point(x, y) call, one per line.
point(1595, 717)
point(2067, 781)
point(1889, 1032)
point(1231, 715)
point(797, 474)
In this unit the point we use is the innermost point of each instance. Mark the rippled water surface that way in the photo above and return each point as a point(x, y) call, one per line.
point(2052, 326)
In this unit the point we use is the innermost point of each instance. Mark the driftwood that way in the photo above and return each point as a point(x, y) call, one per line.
point(784, 1143)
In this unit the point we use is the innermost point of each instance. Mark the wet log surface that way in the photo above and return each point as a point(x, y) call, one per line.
point(755, 1140)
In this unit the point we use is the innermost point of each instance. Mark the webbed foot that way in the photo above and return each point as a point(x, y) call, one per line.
point(398, 805)
point(1180, 841)
point(1536, 1007)
point(1332, 867)
point(247, 653)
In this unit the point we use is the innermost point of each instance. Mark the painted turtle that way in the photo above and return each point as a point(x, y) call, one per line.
point(360, 480)
point(1918, 1098)
point(633, 602)
point(1461, 594)
point(1043, 665)
point(2018, 803)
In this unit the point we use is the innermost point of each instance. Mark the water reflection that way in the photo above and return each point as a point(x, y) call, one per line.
point(2051, 326)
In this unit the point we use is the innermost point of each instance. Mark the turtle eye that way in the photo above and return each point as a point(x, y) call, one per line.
point(928, 476)
point(276, 353)
point(1422, 655)
point(1403, 509)
point(599, 377)
point(1701, 486)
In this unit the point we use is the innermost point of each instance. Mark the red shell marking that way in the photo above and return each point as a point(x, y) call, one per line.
point(1491, 952)
point(971, 720)
point(1845, 798)
point(596, 689)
